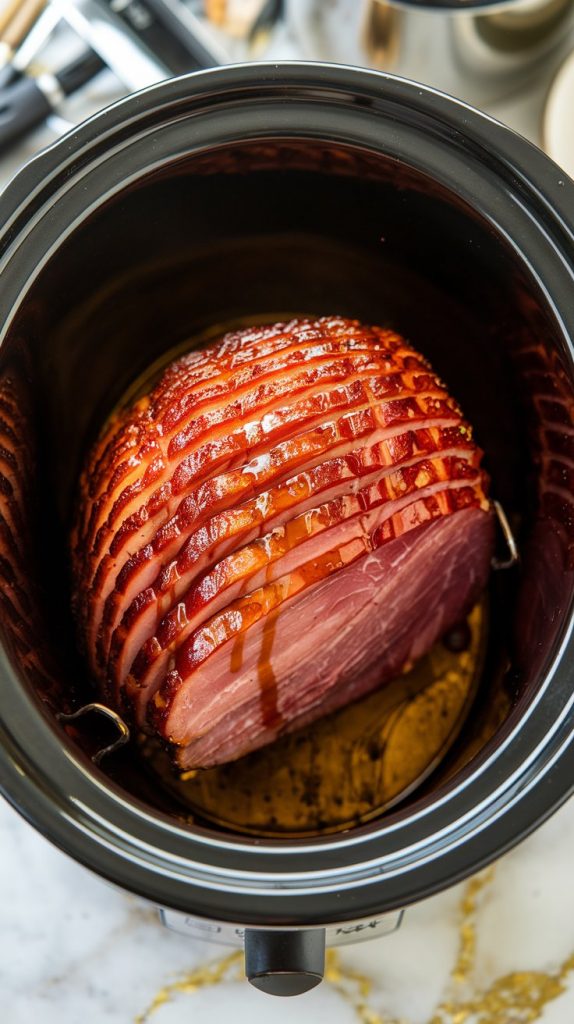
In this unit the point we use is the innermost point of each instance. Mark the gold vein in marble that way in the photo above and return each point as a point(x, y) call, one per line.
point(466, 958)
point(515, 998)
point(230, 968)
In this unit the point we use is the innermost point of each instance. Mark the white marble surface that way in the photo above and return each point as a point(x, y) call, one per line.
point(75, 951)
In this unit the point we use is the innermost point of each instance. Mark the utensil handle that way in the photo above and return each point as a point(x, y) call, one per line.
point(23, 106)
point(27, 14)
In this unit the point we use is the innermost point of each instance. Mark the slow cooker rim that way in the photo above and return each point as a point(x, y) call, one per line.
point(355, 75)
point(64, 153)
point(103, 845)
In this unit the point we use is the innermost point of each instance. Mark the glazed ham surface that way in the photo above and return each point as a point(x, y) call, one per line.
point(288, 519)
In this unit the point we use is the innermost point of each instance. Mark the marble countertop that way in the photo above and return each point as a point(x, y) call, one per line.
point(496, 950)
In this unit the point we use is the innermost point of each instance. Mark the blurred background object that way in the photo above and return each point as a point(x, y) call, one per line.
point(244, 19)
point(515, 38)
point(558, 122)
point(498, 57)
point(17, 17)
point(502, 57)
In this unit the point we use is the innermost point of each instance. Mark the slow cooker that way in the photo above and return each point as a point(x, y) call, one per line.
point(246, 192)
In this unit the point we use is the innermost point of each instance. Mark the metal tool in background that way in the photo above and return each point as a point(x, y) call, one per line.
point(116, 43)
point(31, 95)
point(33, 98)
point(165, 45)
point(141, 43)
point(19, 58)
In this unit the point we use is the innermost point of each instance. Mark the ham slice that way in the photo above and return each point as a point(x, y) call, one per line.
point(290, 517)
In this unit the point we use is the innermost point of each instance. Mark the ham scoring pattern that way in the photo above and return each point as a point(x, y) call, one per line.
point(248, 534)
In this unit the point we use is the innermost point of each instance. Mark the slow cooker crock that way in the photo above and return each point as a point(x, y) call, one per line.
point(238, 194)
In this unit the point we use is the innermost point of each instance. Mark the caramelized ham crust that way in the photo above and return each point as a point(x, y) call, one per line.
point(291, 516)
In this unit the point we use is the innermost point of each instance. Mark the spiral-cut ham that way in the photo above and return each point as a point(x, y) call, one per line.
point(289, 518)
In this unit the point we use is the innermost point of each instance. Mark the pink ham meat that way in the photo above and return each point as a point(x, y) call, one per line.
point(288, 519)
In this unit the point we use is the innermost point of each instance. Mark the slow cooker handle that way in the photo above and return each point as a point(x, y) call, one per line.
point(284, 963)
